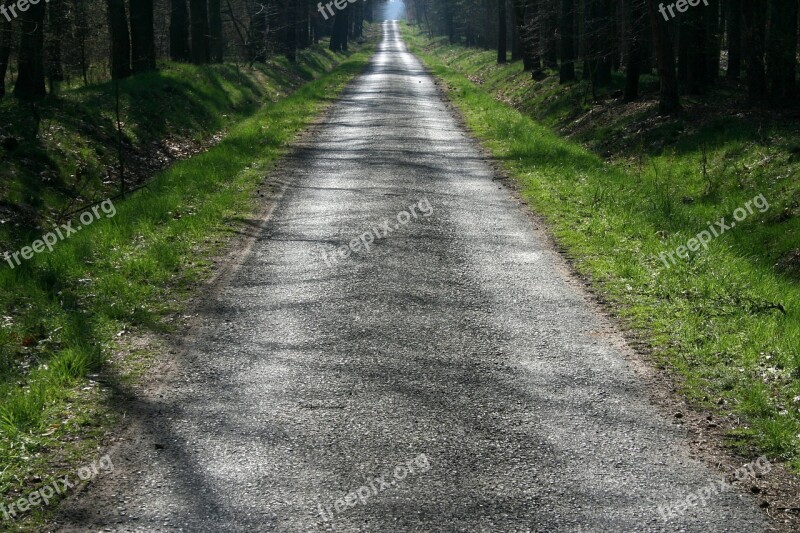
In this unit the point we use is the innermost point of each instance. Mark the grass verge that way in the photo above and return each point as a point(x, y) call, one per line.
point(723, 317)
point(63, 311)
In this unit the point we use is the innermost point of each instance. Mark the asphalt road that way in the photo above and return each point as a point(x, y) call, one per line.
point(451, 377)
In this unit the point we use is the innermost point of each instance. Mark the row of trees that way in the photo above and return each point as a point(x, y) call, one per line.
point(93, 40)
point(756, 40)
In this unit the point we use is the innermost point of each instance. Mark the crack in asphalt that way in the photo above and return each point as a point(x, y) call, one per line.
point(460, 338)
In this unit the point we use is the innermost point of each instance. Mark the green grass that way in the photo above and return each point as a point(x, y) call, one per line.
point(713, 320)
point(63, 312)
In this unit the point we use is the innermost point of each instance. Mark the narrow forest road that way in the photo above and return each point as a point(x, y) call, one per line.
point(456, 346)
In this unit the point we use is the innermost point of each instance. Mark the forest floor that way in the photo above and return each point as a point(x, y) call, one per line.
point(197, 143)
point(623, 188)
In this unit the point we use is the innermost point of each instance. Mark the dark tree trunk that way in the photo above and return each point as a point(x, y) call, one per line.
point(179, 32)
point(713, 42)
point(734, 39)
point(339, 34)
point(516, 45)
point(636, 23)
point(598, 42)
point(694, 64)
point(257, 34)
point(216, 40)
point(290, 30)
point(316, 26)
point(356, 20)
point(502, 37)
point(550, 25)
point(201, 51)
point(669, 102)
point(369, 16)
point(30, 80)
point(303, 34)
point(143, 47)
point(276, 26)
point(520, 18)
point(120, 40)
point(82, 35)
point(449, 22)
point(531, 58)
point(567, 44)
point(56, 24)
point(5, 52)
point(754, 36)
point(488, 37)
point(782, 50)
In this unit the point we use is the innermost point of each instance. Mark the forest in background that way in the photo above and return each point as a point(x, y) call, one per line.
point(90, 41)
point(752, 41)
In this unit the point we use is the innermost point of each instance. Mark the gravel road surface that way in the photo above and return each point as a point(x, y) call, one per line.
point(451, 377)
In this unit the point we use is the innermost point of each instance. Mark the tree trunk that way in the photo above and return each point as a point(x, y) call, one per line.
point(734, 39)
point(339, 34)
point(120, 40)
point(56, 24)
point(5, 52)
point(488, 37)
point(304, 35)
point(598, 42)
point(516, 46)
point(179, 32)
point(531, 58)
point(370, 5)
point(356, 20)
point(201, 51)
point(693, 50)
point(636, 22)
point(519, 8)
point(257, 34)
point(290, 30)
point(276, 26)
point(143, 47)
point(754, 36)
point(713, 42)
point(567, 45)
point(30, 79)
point(449, 23)
point(502, 37)
point(549, 22)
point(782, 50)
point(217, 42)
point(316, 26)
point(669, 102)
point(82, 35)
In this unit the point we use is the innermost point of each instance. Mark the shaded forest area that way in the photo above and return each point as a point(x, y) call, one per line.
point(752, 41)
point(87, 42)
